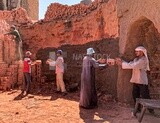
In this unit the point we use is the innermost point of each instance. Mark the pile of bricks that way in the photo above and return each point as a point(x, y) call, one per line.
point(36, 71)
point(5, 83)
point(3, 68)
point(20, 74)
point(9, 78)
point(10, 71)
point(38, 80)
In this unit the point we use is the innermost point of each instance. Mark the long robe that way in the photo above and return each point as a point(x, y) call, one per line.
point(88, 95)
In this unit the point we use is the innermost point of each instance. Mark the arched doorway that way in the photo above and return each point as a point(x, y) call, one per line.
point(141, 32)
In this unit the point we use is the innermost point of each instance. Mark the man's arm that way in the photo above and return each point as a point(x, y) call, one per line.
point(95, 63)
point(139, 64)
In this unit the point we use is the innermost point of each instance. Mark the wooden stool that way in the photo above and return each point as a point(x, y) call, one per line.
point(146, 104)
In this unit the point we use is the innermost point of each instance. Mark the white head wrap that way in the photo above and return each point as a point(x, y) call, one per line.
point(90, 51)
point(28, 53)
point(141, 48)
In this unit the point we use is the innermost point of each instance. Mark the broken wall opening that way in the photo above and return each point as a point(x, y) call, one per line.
point(142, 32)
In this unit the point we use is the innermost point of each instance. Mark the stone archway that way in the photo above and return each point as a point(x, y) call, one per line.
point(141, 32)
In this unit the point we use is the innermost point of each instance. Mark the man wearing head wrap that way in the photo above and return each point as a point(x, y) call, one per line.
point(59, 63)
point(88, 95)
point(18, 41)
point(139, 66)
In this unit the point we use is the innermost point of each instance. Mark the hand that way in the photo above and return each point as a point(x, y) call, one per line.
point(33, 63)
point(48, 60)
point(102, 61)
point(118, 61)
point(110, 62)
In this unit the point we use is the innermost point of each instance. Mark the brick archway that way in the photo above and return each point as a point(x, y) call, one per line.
point(141, 32)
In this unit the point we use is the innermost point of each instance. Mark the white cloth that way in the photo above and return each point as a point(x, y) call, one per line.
point(59, 63)
point(141, 48)
point(139, 67)
point(90, 51)
point(60, 83)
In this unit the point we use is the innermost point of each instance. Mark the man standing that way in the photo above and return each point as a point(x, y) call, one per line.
point(18, 41)
point(139, 66)
point(27, 72)
point(88, 95)
point(59, 63)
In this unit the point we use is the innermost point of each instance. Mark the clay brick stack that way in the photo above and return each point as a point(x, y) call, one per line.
point(33, 73)
point(8, 67)
point(3, 69)
point(9, 77)
point(13, 68)
point(20, 74)
point(36, 71)
point(5, 83)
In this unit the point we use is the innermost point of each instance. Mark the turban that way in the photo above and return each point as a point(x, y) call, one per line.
point(141, 48)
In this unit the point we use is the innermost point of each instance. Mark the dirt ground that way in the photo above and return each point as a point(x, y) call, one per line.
point(55, 108)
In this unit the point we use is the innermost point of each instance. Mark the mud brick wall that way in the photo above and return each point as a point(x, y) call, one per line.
point(31, 6)
point(16, 16)
point(9, 49)
point(154, 76)
point(10, 70)
point(59, 11)
point(3, 69)
point(99, 24)
point(106, 79)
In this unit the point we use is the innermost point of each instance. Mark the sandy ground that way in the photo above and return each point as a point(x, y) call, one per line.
point(55, 108)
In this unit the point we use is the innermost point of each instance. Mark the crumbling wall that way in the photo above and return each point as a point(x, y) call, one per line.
point(98, 24)
point(11, 73)
point(31, 6)
point(10, 70)
point(16, 16)
point(139, 25)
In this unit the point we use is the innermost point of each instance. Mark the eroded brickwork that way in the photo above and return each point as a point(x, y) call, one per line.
point(31, 6)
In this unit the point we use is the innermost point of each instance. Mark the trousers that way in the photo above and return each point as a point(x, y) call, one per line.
point(59, 82)
point(27, 82)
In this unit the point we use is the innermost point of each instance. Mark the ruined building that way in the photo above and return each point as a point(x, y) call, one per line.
point(31, 6)
point(112, 27)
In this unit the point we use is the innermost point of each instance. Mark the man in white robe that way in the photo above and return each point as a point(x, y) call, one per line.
point(139, 66)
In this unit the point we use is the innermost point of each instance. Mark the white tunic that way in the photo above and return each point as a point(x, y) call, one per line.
point(139, 67)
